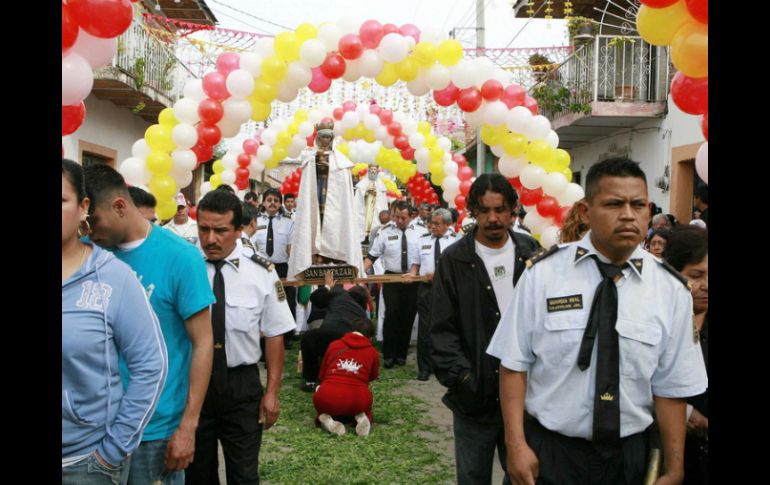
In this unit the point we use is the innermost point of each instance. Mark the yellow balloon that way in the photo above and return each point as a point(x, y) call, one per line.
point(159, 162)
point(408, 69)
point(279, 153)
point(492, 135)
point(430, 140)
point(301, 115)
point(260, 110)
point(344, 148)
point(165, 209)
point(293, 128)
point(306, 31)
point(450, 52)
point(167, 118)
point(658, 25)
point(690, 50)
point(561, 158)
point(348, 134)
point(274, 69)
point(437, 179)
point(425, 53)
point(218, 166)
point(436, 167)
point(162, 186)
point(539, 152)
point(272, 163)
point(424, 128)
point(283, 138)
point(388, 76)
point(567, 173)
point(286, 46)
point(264, 91)
point(158, 137)
point(215, 181)
point(369, 136)
point(436, 153)
point(515, 144)
point(359, 131)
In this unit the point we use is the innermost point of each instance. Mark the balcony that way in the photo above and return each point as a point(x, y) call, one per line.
point(607, 84)
point(145, 75)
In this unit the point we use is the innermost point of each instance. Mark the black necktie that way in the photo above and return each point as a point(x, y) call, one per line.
point(404, 267)
point(436, 253)
point(219, 368)
point(601, 323)
point(270, 236)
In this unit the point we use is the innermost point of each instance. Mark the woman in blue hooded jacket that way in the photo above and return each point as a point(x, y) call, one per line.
point(106, 316)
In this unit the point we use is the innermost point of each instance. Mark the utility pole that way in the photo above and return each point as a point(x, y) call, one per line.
point(480, 44)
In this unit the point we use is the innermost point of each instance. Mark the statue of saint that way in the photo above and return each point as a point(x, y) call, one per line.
point(371, 197)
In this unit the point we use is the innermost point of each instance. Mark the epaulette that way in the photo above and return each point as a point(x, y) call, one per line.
point(247, 242)
point(426, 234)
point(541, 255)
point(262, 262)
point(676, 274)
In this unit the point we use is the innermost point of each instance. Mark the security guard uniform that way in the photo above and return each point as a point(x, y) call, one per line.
point(273, 246)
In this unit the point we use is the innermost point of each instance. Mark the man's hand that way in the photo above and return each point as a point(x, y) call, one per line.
point(408, 277)
point(430, 277)
point(523, 465)
point(269, 409)
point(669, 479)
point(103, 461)
point(329, 279)
point(698, 424)
point(180, 449)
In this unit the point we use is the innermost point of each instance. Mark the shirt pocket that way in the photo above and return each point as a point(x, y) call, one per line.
point(68, 410)
point(562, 337)
point(638, 343)
point(245, 313)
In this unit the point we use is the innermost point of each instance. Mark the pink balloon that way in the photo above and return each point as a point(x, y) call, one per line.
point(410, 29)
point(375, 109)
point(702, 162)
point(348, 106)
point(228, 62)
point(371, 33)
point(319, 83)
point(531, 104)
point(513, 96)
point(214, 86)
point(77, 79)
point(250, 146)
point(446, 96)
point(97, 51)
point(386, 117)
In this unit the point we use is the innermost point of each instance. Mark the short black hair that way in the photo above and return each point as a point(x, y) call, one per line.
point(491, 182)
point(221, 202)
point(399, 205)
point(289, 196)
point(73, 172)
point(360, 295)
point(272, 191)
point(672, 220)
point(455, 214)
point(702, 193)
point(362, 325)
point(663, 232)
point(250, 196)
point(142, 198)
point(612, 167)
point(248, 213)
point(226, 187)
point(103, 183)
point(687, 244)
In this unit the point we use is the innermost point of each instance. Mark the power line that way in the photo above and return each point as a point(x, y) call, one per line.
point(246, 23)
point(252, 16)
point(443, 25)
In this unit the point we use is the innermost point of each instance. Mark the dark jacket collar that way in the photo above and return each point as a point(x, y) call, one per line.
point(520, 241)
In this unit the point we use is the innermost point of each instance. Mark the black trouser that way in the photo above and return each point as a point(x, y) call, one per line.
point(400, 309)
point(314, 344)
point(574, 461)
point(424, 362)
point(233, 419)
point(475, 442)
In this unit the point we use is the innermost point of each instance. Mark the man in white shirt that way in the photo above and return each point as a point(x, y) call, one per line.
point(182, 224)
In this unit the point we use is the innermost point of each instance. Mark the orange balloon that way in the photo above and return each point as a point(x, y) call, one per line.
point(659, 25)
point(690, 50)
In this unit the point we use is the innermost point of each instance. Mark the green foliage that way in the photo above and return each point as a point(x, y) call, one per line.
point(139, 107)
point(457, 145)
point(574, 24)
point(138, 73)
point(166, 83)
point(620, 41)
point(555, 97)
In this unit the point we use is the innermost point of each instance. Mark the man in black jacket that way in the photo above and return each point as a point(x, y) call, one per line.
point(472, 286)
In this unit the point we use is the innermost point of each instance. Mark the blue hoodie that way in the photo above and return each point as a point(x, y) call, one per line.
point(106, 314)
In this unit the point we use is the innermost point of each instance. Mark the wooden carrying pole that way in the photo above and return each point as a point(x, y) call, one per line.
point(386, 278)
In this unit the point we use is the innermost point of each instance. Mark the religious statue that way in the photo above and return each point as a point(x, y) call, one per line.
point(370, 198)
point(324, 223)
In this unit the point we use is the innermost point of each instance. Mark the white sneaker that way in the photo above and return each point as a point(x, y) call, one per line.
point(363, 426)
point(330, 425)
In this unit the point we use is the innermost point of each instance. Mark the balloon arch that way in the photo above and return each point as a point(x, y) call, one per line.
point(243, 86)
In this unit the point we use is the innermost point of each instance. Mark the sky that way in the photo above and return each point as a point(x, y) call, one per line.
point(501, 25)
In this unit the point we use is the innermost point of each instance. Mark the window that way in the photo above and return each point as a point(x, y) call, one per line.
point(89, 159)
point(91, 153)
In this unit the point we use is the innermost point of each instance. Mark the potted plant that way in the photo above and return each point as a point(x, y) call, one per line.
point(581, 29)
point(541, 66)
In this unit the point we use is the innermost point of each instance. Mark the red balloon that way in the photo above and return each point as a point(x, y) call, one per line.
point(203, 151)
point(561, 215)
point(515, 183)
point(401, 142)
point(250, 146)
point(513, 96)
point(459, 159)
point(389, 29)
point(337, 113)
point(72, 117)
point(386, 116)
point(689, 94)
point(548, 206)
point(658, 3)
point(214, 86)
point(210, 111)
point(446, 96)
point(326, 120)
point(320, 83)
point(434, 198)
point(417, 192)
point(465, 173)
point(242, 172)
point(491, 90)
point(408, 153)
point(69, 28)
point(350, 46)
point(469, 99)
point(334, 66)
point(530, 197)
point(102, 18)
point(228, 62)
point(412, 30)
point(465, 187)
point(208, 134)
point(531, 104)
point(193, 212)
point(244, 159)
point(705, 125)
point(699, 10)
point(348, 106)
point(460, 202)
point(371, 33)
point(394, 129)
point(460, 222)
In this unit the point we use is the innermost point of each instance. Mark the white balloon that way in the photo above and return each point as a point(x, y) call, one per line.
point(77, 79)
point(503, 76)
point(518, 119)
point(372, 121)
point(235, 146)
point(552, 139)
point(418, 87)
point(184, 160)
point(264, 152)
point(184, 136)
point(205, 189)
point(549, 236)
point(347, 25)
point(410, 42)
point(417, 140)
point(97, 51)
point(349, 120)
point(269, 136)
point(352, 70)
point(437, 77)
point(264, 46)
point(422, 155)
point(571, 194)
point(140, 149)
point(447, 157)
point(536, 223)
point(702, 162)
point(186, 111)
point(495, 113)
point(355, 152)
point(554, 183)
point(371, 63)
point(338, 129)
point(381, 133)
point(539, 127)
point(255, 168)
point(306, 128)
point(280, 125)
point(182, 179)
point(432, 34)
point(450, 168)
point(294, 151)
point(449, 198)
point(299, 140)
point(193, 89)
point(230, 161)
point(409, 126)
point(298, 75)
point(251, 62)
point(423, 166)
point(315, 116)
point(134, 170)
point(463, 74)
point(312, 53)
point(475, 118)
point(228, 128)
point(286, 93)
point(451, 183)
point(393, 48)
point(510, 166)
point(236, 111)
point(497, 150)
point(240, 83)
point(388, 143)
point(329, 35)
point(532, 176)
point(362, 110)
point(227, 176)
point(445, 143)
point(484, 68)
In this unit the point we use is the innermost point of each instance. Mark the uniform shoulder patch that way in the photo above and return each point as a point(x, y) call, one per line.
point(280, 291)
point(262, 262)
point(676, 274)
point(541, 255)
point(426, 234)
